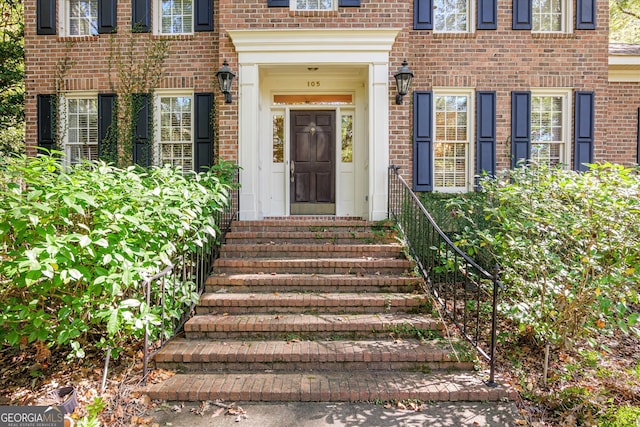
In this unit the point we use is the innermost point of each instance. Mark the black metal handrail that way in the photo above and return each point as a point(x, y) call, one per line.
point(467, 293)
point(186, 275)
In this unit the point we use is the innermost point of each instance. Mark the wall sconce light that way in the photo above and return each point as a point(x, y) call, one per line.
point(225, 79)
point(403, 81)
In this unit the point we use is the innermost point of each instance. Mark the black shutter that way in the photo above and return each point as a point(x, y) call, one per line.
point(141, 15)
point(487, 14)
point(522, 19)
point(203, 131)
point(107, 144)
point(46, 16)
point(278, 3)
point(422, 141)
point(349, 3)
point(203, 16)
point(107, 16)
point(423, 14)
point(520, 127)
point(46, 132)
point(586, 14)
point(141, 135)
point(583, 130)
point(486, 133)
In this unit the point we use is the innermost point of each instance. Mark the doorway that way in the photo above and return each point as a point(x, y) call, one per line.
point(312, 164)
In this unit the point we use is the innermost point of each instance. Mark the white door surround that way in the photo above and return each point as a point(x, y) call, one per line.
point(355, 49)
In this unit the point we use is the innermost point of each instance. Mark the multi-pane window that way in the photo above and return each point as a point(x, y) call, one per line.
point(451, 146)
point(548, 130)
point(83, 17)
point(175, 146)
point(451, 16)
point(176, 16)
point(278, 138)
point(346, 133)
point(547, 15)
point(82, 129)
point(313, 4)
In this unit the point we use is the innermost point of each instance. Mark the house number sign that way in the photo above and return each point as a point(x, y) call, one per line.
point(313, 83)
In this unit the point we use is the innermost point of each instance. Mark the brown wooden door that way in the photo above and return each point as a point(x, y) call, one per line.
point(313, 163)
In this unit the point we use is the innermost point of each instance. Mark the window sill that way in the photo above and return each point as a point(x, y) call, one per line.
point(173, 37)
point(553, 35)
point(437, 35)
point(314, 13)
point(79, 38)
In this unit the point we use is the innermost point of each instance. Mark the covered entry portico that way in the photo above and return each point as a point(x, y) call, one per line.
point(339, 74)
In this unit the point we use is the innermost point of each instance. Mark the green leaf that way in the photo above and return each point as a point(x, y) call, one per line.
point(113, 324)
point(84, 241)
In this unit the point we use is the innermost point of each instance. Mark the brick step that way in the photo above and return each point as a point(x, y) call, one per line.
point(328, 387)
point(309, 282)
point(309, 250)
point(290, 224)
point(312, 265)
point(282, 356)
point(310, 326)
point(243, 303)
point(317, 237)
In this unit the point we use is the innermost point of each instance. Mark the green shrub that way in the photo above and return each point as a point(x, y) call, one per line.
point(568, 244)
point(77, 242)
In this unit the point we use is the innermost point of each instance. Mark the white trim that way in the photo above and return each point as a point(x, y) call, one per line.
point(624, 68)
point(363, 48)
point(64, 119)
point(567, 118)
point(156, 7)
point(169, 93)
point(566, 22)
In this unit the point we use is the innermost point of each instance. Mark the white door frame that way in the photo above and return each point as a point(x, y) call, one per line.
point(368, 48)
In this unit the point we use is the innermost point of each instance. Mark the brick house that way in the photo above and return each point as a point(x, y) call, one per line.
point(313, 119)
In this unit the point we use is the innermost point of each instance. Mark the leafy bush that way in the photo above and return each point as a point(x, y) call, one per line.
point(77, 242)
point(568, 244)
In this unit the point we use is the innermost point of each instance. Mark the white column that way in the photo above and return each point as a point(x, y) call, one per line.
point(378, 139)
point(248, 140)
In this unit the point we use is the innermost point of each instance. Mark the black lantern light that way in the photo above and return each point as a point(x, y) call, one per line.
point(225, 79)
point(403, 81)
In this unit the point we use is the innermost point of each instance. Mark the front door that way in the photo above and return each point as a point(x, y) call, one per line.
point(313, 163)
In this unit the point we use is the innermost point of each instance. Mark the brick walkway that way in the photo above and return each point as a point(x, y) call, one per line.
point(312, 309)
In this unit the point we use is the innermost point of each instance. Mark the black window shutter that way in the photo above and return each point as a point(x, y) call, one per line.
point(520, 127)
point(583, 130)
point(486, 133)
point(423, 14)
point(487, 14)
point(522, 19)
point(46, 133)
point(586, 14)
point(107, 16)
point(46, 11)
point(278, 3)
point(422, 141)
point(203, 131)
point(349, 3)
point(141, 135)
point(141, 15)
point(203, 16)
point(107, 144)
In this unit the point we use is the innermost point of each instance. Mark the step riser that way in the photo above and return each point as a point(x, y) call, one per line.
point(281, 269)
point(254, 251)
point(287, 333)
point(329, 366)
point(302, 287)
point(274, 309)
point(319, 240)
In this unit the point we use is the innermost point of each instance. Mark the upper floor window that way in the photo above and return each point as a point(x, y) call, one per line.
point(451, 16)
point(83, 17)
point(81, 137)
point(175, 16)
point(313, 4)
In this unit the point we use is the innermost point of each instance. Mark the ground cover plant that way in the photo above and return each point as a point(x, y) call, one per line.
point(568, 245)
point(77, 242)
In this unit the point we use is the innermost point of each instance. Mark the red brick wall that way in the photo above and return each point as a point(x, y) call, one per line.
point(622, 139)
point(503, 60)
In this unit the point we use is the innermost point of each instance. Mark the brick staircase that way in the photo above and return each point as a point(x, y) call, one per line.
point(310, 309)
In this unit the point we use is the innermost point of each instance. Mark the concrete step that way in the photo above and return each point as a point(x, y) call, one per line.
point(310, 250)
point(284, 282)
point(294, 355)
point(311, 326)
point(275, 302)
point(355, 386)
point(313, 265)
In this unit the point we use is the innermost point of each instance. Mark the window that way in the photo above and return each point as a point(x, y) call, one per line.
point(79, 18)
point(547, 15)
point(83, 17)
point(452, 141)
point(313, 4)
point(278, 138)
point(175, 142)
point(451, 16)
point(81, 142)
point(549, 128)
point(346, 137)
point(175, 17)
